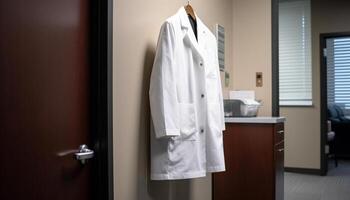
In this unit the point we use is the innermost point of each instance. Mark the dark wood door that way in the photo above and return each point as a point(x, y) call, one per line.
point(45, 106)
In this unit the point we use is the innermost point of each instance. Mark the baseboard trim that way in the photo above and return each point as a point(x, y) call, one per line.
point(303, 170)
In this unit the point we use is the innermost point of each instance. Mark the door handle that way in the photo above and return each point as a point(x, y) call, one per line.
point(280, 150)
point(84, 154)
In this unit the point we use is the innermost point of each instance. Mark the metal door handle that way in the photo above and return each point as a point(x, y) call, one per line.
point(280, 132)
point(84, 153)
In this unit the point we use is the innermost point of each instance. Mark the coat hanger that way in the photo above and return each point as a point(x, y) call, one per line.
point(189, 10)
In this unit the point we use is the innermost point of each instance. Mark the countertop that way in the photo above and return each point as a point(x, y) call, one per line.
point(255, 120)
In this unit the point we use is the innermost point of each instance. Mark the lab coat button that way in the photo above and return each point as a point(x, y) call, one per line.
point(202, 130)
point(202, 95)
point(201, 64)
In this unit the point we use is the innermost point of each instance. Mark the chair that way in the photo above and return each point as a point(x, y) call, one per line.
point(331, 143)
point(340, 124)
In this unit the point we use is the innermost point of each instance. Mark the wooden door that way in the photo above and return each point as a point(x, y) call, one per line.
point(45, 99)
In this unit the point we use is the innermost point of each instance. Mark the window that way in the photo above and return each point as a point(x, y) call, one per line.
point(295, 53)
point(338, 71)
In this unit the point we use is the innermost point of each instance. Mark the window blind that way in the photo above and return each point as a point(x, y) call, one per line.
point(338, 71)
point(295, 53)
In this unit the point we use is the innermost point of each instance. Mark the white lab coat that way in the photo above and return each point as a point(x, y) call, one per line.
point(186, 102)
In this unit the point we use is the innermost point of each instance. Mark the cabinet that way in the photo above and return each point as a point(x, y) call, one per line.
point(254, 157)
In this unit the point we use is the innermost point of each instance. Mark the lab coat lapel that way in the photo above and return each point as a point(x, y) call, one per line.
point(201, 31)
point(189, 36)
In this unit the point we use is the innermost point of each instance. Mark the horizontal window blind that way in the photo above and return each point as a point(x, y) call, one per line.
point(338, 71)
point(295, 53)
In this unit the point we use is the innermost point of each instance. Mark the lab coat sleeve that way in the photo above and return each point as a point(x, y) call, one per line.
point(163, 93)
point(221, 99)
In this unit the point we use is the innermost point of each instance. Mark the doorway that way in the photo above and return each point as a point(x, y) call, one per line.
point(335, 97)
point(55, 97)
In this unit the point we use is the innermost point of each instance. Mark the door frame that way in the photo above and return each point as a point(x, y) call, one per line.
point(275, 57)
point(101, 59)
point(324, 100)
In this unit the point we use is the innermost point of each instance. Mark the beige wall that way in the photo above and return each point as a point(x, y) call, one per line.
point(303, 124)
point(136, 27)
point(252, 48)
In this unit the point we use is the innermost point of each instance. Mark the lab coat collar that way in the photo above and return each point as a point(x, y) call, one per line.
point(189, 34)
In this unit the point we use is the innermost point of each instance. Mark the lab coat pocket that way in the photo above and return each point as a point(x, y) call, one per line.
point(188, 126)
point(212, 88)
point(212, 75)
